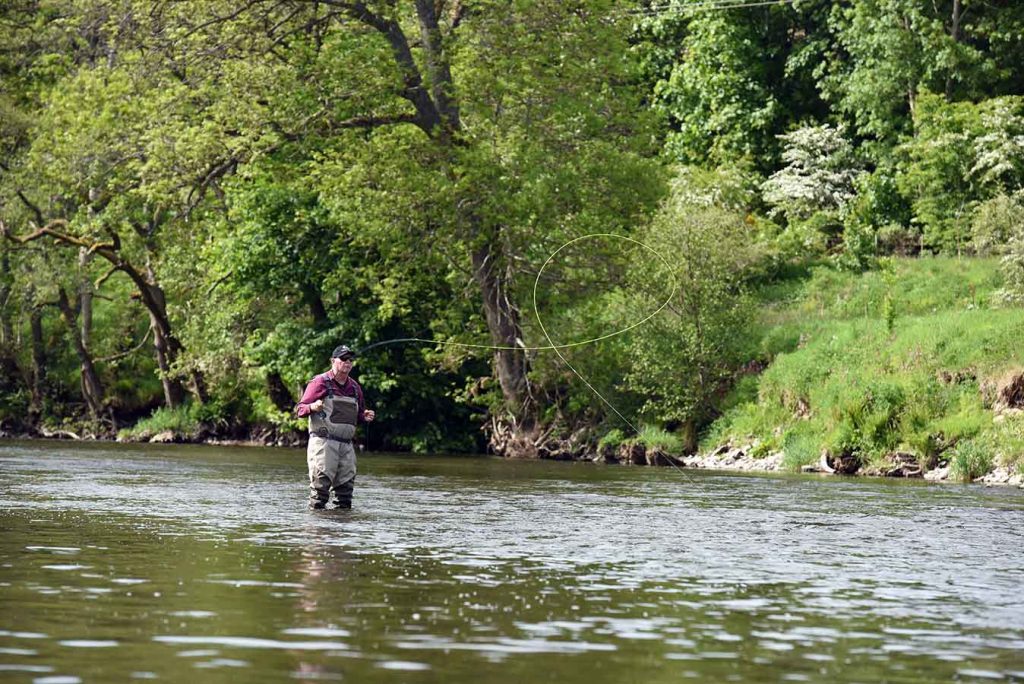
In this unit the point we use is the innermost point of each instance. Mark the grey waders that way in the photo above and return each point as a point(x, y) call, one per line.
point(330, 454)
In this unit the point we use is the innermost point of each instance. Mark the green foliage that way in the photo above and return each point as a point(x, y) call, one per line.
point(801, 447)
point(858, 250)
point(858, 384)
point(612, 439)
point(819, 175)
point(682, 358)
point(1012, 266)
point(878, 204)
point(891, 50)
point(653, 437)
point(961, 154)
point(183, 421)
point(971, 459)
point(719, 96)
point(998, 228)
point(995, 223)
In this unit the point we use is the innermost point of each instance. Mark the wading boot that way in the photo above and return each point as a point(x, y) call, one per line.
point(343, 494)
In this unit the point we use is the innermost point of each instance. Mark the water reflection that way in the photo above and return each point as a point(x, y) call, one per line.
point(482, 569)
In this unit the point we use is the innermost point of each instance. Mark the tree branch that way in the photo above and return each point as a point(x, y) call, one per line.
point(121, 355)
point(428, 115)
point(107, 250)
point(220, 19)
point(103, 278)
point(375, 121)
point(34, 209)
point(218, 170)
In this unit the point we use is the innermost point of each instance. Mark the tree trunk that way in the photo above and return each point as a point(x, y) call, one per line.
point(503, 324)
point(8, 361)
point(6, 326)
point(166, 345)
point(92, 387)
point(36, 390)
point(954, 33)
point(279, 393)
point(163, 343)
point(85, 299)
point(514, 434)
point(311, 297)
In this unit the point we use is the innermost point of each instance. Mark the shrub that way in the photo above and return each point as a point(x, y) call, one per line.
point(971, 459)
point(681, 359)
point(611, 439)
point(819, 174)
point(1012, 267)
point(995, 223)
point(654, 437)
point(181, 421)
point(800, 447)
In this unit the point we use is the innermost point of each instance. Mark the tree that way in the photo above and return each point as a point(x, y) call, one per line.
point(681, 363)
point(471, 128)
point(727, 81)
point(961, 154)
point(820, 173)
point(887, 51)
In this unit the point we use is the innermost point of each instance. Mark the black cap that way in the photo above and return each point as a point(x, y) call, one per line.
point(343, 352)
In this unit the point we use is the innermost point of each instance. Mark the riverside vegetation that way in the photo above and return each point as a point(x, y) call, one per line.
point(198, 200)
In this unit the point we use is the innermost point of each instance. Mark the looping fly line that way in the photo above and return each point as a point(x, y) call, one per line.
point(557, 348)
point(536, 284)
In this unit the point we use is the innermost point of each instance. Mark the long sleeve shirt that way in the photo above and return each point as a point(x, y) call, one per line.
point(317, 389)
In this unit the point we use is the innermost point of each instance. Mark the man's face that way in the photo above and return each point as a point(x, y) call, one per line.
point(341, 366)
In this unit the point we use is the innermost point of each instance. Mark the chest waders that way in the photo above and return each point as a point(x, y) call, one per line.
point(330, 455)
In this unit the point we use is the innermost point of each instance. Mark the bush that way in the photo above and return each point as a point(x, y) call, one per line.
point(800, 447)
point(680, 361)
point(995, 223)
point(858, 252)
point(656, 438)
point(819, 174)
point(971, 459)
point(181, 421)
point(1012, 267)
point(612, 439)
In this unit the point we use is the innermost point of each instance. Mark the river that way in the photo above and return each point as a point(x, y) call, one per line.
point(122, 562)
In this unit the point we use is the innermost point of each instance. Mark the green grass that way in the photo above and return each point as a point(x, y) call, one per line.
point(970, 459)
point(612, 439)
point(181, 421)
point(652, 437)
point(883, 361)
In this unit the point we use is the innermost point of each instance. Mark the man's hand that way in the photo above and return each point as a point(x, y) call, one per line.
point(369, 415)
point(317, 405)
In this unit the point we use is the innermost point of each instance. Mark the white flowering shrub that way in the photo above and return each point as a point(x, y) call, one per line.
point(819, 175)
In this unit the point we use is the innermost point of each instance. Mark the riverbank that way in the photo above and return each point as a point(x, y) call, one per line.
point(911, 370)
point(752, 457)
point(727, 457)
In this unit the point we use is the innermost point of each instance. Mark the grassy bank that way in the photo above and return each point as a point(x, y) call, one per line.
point(908, 358)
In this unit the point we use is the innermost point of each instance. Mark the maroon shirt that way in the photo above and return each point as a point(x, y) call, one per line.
point(317, 389)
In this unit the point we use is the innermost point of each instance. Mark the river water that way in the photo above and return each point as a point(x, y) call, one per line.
point(144, 562)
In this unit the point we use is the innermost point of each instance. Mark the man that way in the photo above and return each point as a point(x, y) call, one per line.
point(334, 403)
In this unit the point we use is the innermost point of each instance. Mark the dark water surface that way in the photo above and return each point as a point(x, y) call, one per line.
point(201, 564)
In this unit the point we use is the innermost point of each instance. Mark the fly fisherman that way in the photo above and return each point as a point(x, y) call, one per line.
point(334, 403)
